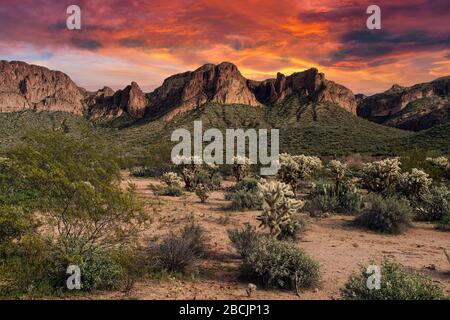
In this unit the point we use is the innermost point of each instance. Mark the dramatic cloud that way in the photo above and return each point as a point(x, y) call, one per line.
point(146, 41)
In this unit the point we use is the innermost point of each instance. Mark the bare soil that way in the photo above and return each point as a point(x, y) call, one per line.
point(333, 242)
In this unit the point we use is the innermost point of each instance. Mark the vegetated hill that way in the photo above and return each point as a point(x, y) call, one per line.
point(434, 139)
point(305, 127)
point(415, 108)
point(14, 125)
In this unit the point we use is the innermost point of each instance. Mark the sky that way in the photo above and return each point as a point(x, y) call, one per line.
point(148, 40)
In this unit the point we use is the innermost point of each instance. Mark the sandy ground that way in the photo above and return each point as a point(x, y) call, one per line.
point(336, 245)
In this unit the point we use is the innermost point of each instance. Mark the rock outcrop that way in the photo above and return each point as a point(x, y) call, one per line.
point(29, 87)
point(310, 84)
point(397, 98)
point(24, 87)
point(222, 84)
point(412, 108)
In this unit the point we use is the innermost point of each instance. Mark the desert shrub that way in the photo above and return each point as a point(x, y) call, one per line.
point(381, 176)
point(396, 284)
point(179, 252)
point(241, 167)
point(172, 191)
point(140, 172)
point(434, 205)
point(415, 184)
point(38, 267)
point(244, 200)
point(326, 198)
point(280, 264)
point(296, 169)
point(444, 223)
point(387, 215)
point(134, 263)
point(74, 184)
point(279, 210)
point(243, 239)
point(245, 195)
point(442, 163)
point(202, 192)
point(152, 161)
point(194, 234)
point(171, 179)
point(207, 178)
point(100, 271)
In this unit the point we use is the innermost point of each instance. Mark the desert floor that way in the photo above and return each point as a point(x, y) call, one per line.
point(336, 245)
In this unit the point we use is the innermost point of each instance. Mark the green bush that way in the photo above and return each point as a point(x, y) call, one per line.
point(245, 195)
point(99, 271)
point(244, 239)
point(387, 215)
point(38, 267)
point(325, 198)
point(194, 235)
point(444, 223)
point(179, 252)
point(395, 284)
point(74, 185)
point(280, 264)
point(172, 191)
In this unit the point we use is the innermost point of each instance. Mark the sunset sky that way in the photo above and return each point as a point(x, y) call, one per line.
point(147, 41)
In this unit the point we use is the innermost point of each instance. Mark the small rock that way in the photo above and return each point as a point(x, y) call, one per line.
point(251, 289)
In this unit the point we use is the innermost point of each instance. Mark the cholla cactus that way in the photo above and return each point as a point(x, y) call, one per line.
point(416, 183)
point(295, 169)
point(171, 179)
point(202, 192)
point(441, 162)
point(381, 175)
point(279, 207)
point(187, 167)
point(241, 167)
point(339, 170)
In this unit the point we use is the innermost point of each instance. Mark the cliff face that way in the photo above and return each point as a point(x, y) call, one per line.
point(309, 83)
point(24, 86)
point(29, 87)
point(412, 108)
point(222, 84)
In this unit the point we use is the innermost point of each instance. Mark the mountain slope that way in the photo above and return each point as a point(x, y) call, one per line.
point(416, 108)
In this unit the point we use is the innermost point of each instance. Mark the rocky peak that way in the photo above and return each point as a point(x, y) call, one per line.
point(132, 100)
point(310, 83)
point(24, 87)
point(105, 103)
point(222, 84)
point(397, 98)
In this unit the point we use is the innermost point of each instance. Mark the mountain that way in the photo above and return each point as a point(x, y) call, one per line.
point(415, 108)
point(314, 115)
point(29, 87)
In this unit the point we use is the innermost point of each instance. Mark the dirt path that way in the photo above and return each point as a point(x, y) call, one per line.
point(337, 246)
